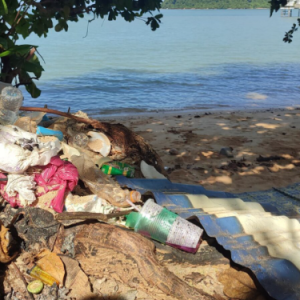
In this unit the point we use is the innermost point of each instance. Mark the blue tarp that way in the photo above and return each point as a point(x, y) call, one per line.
point(279, 277)
point(166, 186)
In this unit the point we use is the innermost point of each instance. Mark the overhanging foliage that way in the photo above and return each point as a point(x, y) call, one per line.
point(23, 18)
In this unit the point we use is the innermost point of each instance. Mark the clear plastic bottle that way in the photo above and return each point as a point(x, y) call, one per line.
point(80, 140)
point(11, 100)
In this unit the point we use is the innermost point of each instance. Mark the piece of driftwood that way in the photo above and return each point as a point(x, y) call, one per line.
point(36, 226)
point(125, 143)
point(107, 251)
point(206, 255)
point(89, 216)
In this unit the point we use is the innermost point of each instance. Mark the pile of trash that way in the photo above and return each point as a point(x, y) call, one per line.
point(66, 167)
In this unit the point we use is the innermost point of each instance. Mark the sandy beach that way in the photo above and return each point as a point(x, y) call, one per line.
point(190, 143)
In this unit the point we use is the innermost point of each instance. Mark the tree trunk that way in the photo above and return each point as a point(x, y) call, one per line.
point(106, 251)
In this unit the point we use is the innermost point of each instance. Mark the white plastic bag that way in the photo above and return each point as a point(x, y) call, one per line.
point(24, 186)
point(90, 203)
point(20, 150)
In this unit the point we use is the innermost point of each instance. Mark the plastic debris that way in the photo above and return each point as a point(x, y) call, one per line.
point(35, 287)
point(69, 151)
point(45, 131)
point(99, 142)
point(11, 100)
point(80, 139)
point(113, 193)
point(50, 263)
point(23, 149)
point(38, 273)
point(34, 116)
point(118, 168)
point(162, 225)
point(57, 175)
point(19, 190)
point(90, 203)
point(150, 172)
point(101, 161)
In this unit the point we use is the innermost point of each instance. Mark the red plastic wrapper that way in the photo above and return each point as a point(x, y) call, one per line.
point(57, 175)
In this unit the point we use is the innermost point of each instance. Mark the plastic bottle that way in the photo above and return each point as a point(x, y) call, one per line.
point(113, 194)
point(160, 224)
point(11, 100)
point(118, 168)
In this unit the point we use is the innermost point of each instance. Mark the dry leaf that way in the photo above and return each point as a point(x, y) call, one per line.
point(52, 264)
point(5, 245)
point(76, 280)
point(238, 285)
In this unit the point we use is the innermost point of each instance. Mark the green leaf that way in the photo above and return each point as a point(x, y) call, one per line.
point(33, 67)
point(18, 49)
point(112, 15)
point(3, 43)
point(159, 16)
point(23, 28)
point(58, 27)
point(5, 7)
point(33, 90)
point(66, 10)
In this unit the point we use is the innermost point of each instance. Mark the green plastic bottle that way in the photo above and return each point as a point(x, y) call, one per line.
point(160, 224)
point(118, 168)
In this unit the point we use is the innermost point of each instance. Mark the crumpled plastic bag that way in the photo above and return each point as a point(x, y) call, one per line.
point(19, 190)
point(90, 203)
point(23, 149)
point(57, 175)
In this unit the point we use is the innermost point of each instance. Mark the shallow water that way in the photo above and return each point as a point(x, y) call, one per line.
point(204, 59)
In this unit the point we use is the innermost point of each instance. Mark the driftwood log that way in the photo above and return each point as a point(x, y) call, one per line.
point(107, 251)
point(122, 138)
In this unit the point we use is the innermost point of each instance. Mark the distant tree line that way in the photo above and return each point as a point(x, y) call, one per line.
point(215, 4)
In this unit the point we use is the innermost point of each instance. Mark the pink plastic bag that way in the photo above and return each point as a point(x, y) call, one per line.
point(57, 175)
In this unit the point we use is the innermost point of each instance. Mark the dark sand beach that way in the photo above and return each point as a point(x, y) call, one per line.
point(189, 145)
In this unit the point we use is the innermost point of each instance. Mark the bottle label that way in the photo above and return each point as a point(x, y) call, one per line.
point(109, 170)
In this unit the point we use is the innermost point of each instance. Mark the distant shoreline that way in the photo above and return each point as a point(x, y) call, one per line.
point(215, 8)
point(188, 112)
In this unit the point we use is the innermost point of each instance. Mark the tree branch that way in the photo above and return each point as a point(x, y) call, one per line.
point(91, 122)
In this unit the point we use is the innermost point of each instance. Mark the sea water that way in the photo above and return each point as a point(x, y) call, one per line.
point(197, 59)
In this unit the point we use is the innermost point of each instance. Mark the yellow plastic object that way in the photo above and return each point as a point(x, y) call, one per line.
point(46, 278)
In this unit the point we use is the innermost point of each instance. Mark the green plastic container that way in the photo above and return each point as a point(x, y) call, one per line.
point(160, 224)
point(118, 168)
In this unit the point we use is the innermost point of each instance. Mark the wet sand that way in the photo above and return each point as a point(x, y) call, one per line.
point(190, 143)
